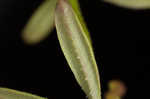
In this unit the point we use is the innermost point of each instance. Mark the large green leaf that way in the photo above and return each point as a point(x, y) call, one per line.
point(133, 4)
point(77, 49)
point(41, 23)
point(13, 94)
point(76, 7)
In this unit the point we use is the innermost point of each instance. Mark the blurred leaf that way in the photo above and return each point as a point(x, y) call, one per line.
point(41, 23)
point(77, 49)
point(13, 94)
point(116, 90)
point(133, 4)
point(76, 7)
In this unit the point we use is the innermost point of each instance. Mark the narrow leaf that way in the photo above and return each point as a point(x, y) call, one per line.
point(41, 23)
point(13, 94)
point(133, 4)
point(76, 7)
point(77, 49)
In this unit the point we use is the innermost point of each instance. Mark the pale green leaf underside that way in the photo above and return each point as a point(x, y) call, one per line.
point(13, 94)
point(133, 4)
point(76, 7)
point(41, 23)
point(77, 50)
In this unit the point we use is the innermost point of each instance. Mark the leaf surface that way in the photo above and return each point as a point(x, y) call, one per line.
point(77, 49)
point(41, 23)
point(132, 4)
point(13, 94)
point(76, 7)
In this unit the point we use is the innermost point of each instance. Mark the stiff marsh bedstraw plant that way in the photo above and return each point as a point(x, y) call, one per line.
point(75, 43)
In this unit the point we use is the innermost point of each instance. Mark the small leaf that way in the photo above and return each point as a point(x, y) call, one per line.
point(77, 49)
point(116, 90)
point(41, 23)
point(13, 94)
point(76, 7)
point(133, 4)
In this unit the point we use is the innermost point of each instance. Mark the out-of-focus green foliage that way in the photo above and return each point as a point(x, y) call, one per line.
point(116, 90)
point(13, 94)
point(77, 50)
point(41, 23)
point(132, 4)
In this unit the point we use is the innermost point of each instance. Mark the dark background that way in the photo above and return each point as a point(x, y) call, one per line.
point(120, 41)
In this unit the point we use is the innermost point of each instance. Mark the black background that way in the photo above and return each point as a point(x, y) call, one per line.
point(120, 41)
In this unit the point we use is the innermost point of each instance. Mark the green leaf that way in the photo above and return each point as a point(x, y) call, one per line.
point(41, 23)
point(133, 4)
point(77, 49)
point(76, 7)
point(13, 94)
